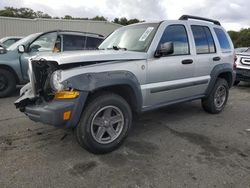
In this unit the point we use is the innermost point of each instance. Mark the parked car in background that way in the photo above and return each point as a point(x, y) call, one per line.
point(240, 50)
point(8, 41)
point(243, 66)
point(137, 68)
point(14, 61)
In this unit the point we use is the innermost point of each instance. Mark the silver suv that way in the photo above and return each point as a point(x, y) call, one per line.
point(137, 68)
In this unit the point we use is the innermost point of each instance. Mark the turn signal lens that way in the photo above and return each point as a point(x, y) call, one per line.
point(67, 95)
point(66, 115)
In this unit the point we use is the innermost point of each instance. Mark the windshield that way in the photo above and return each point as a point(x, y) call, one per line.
point(132, 38)
point(23, 41)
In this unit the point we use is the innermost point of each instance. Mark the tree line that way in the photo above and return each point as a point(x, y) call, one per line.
point(240, 38)
point(31, 14)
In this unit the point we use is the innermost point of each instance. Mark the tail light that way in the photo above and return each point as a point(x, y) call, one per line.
point(234, 64)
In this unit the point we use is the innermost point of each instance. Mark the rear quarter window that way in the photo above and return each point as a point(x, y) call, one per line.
point(223, 40)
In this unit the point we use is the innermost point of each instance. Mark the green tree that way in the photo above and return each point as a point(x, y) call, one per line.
point(29, 13)
point(8, 12)
point(67, 17)
point(125, 21)
point(240, 38)
point(40, 14)
point(99, 18)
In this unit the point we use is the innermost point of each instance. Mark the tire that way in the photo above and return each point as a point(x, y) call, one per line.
point(236, 82)
point(98, 117)
point(7, 83)
point(213, 104)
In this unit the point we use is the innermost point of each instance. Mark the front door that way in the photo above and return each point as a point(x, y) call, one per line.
point(170, 77)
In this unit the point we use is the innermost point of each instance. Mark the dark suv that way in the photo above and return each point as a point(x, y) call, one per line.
point(14, 62)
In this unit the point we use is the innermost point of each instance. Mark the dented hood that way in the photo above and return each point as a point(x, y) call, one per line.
point(92, 56)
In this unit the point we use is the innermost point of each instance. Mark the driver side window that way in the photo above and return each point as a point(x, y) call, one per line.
point(178, 35)
point(44, 43)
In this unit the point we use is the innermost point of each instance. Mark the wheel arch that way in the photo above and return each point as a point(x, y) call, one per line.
point(123, 83)
point(8, 68)
point(224, 71)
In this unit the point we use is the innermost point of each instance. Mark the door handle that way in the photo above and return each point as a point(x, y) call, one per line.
point(187, 61)
point(216, 59)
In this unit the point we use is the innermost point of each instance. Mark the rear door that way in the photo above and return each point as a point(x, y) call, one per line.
point(74, 42)
point(80, 42)
point(226, 49)
point(206, 55)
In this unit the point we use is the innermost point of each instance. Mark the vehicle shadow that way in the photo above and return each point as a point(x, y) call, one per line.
point(243, 85)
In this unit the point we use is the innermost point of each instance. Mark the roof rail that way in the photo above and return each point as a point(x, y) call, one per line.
point(186, 17)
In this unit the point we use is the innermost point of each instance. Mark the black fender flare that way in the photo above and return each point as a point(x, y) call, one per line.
point(91, 82)
point(217, 70)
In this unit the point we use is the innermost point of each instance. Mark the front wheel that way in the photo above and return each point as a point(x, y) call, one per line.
point(104, 124)
point(217, 99)
point(7, 83)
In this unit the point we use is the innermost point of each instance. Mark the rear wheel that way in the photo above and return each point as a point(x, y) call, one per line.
point(217, 99)
point(7, 83)
point(104, 124)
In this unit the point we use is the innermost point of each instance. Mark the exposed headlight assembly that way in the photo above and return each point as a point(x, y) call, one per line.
point(55, 81)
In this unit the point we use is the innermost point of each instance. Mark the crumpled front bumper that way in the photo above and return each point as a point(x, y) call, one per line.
point(52, 112)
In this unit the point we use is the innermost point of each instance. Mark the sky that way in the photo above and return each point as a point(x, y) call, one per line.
point(233, 14)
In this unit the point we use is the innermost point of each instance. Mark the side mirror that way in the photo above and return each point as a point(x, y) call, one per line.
point(21, 49)
point(3, 50)
point(165, 49)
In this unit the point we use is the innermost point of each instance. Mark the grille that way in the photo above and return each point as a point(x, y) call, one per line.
point(245, 61)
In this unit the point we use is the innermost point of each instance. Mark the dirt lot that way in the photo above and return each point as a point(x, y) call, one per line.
point(178, 146)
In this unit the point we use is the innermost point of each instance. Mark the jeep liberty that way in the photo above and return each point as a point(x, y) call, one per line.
point(137, 68)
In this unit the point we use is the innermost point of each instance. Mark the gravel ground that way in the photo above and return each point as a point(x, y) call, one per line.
point(178, 146)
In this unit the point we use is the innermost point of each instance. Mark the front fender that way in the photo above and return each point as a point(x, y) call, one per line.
point(95, 81)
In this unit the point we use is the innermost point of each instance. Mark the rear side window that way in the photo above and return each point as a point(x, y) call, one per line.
point(223, 40)
point(93, 43)
point(73, 42)
point(178, 35)
point(204, 41)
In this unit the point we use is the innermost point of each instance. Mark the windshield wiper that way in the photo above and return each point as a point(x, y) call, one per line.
point(117, 48)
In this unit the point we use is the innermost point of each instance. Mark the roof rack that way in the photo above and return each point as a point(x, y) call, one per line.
point(186, 17)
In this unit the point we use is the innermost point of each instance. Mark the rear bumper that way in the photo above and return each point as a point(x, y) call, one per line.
point(243, 75)
point(52, 112)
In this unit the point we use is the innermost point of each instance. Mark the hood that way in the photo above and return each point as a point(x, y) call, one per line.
point(92, 56)
point(243, 54)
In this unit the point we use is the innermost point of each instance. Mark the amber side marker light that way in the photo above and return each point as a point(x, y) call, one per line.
point(66, 115)
point(67, 95)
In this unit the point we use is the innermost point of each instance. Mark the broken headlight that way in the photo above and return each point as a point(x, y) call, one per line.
point(55, 81)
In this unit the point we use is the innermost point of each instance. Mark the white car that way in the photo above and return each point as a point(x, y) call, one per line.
point(243, 67)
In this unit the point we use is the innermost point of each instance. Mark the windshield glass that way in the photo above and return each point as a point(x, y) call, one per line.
point(132, 38)
point(23, 41)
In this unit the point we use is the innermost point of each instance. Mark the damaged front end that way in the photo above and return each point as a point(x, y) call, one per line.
point(39, 87)
point(46, 100)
